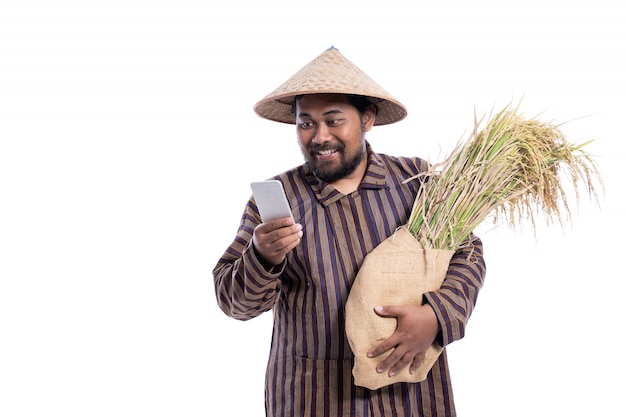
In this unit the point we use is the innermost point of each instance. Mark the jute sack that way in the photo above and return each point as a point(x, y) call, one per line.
point(397, 272)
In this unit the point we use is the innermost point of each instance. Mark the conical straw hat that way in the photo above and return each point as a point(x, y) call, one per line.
point(330, 72)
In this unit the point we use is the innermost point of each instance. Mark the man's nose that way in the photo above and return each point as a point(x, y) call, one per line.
point(322, 134)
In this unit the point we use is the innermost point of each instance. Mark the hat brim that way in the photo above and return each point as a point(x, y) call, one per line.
point(280, 109)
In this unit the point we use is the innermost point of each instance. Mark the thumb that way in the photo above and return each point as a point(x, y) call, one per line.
point(385, 311)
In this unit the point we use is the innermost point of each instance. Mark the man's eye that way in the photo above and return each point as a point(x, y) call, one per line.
point(333, 122)
point(305, 125)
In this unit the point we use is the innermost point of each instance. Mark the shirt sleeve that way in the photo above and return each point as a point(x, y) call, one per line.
point(243, 287)
point(455, 300)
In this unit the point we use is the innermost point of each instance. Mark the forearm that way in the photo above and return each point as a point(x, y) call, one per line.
point(243, 286)
point(454, 302)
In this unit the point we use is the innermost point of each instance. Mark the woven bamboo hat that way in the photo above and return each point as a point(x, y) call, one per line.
point(330, 72)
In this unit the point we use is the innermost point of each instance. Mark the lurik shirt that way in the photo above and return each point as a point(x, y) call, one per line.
point(309, 371)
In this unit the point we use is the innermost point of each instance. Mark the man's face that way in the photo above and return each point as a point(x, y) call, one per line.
point(331, 134)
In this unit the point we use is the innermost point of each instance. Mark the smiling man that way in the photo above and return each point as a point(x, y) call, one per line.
point(331, 134)
point(346, 199)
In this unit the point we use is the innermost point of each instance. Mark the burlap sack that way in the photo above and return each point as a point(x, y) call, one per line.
point(397, 272)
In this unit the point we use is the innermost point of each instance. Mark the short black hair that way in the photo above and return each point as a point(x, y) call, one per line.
point(361, 103)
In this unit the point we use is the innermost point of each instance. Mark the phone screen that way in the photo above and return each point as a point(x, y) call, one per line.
point(271, 200)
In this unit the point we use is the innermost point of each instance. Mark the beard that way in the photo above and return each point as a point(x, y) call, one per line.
point(326, 170)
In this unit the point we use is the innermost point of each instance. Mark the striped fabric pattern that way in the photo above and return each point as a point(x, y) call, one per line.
point(310, 364)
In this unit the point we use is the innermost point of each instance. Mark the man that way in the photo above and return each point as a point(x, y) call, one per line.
point(346, 199)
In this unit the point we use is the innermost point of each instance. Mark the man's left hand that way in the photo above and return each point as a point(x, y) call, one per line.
point(416, 331)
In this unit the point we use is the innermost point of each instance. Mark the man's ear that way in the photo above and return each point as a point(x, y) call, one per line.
point(369, 117)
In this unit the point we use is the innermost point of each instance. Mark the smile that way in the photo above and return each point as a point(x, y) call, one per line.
point(327, 155)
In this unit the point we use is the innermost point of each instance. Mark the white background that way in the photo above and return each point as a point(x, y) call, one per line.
point(128, 141)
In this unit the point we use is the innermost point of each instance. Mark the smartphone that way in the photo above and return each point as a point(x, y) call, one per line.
point(271, 200)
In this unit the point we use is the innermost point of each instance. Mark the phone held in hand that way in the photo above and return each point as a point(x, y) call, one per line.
point(271, 200)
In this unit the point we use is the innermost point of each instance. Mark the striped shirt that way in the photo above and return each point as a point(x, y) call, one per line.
point(309, 371)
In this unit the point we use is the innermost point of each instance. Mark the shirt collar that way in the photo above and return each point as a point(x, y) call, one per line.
point(374, 178)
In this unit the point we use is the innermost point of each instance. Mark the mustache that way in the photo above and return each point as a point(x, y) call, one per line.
point(314, 147)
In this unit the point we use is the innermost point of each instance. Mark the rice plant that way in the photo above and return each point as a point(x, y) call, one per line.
point(512, 169)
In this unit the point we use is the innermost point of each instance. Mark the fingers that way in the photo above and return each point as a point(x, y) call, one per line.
point(283, 237)
point(388, 343)
point(383, 347)
point(417, 361)
point(408, 343)
point(399, 359)
point(273, 240)
point(277, 224)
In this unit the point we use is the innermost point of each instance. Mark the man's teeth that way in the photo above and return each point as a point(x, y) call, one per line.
point(326, 152)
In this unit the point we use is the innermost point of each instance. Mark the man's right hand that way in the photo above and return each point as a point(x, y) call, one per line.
point(274, 239)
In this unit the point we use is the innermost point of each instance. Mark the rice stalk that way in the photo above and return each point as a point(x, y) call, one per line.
point(513, 169)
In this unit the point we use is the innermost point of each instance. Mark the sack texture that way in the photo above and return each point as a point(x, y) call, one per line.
point(397, 272)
